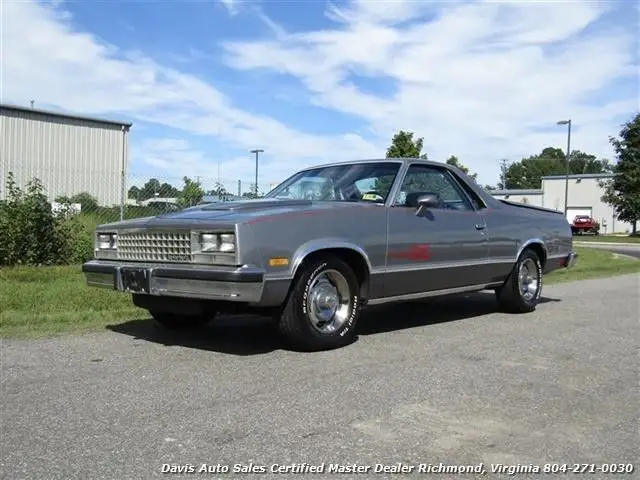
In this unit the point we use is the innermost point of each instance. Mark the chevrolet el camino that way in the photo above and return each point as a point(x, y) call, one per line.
point(328, 241)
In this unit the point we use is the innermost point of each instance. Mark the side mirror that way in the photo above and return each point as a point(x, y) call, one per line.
point(427, 201)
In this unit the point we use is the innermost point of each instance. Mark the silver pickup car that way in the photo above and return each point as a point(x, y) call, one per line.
point(330, 240)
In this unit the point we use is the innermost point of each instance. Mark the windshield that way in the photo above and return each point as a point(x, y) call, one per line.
point(369, 182)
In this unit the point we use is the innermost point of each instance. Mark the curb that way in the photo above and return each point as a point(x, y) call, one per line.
point(609, 244)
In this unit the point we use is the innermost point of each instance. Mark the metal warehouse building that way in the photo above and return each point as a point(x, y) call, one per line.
point(584, 198)
point(69, 154)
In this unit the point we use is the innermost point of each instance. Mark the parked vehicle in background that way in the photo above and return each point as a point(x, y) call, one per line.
point(585, 224)
point(330, 240)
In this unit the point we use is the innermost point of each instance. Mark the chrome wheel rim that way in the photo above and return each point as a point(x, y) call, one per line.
point(528, 279)
point(328, 301)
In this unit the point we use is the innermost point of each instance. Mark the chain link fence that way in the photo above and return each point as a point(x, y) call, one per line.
point(145, 197)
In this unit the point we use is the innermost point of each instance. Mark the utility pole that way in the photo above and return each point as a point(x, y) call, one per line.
point(503, 173)
point(123, 173)
point(566, 176)
point(257, 152)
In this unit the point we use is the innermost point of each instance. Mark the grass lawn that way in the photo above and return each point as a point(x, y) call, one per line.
point(50, 300)
point(594, 263)
point(45, 301)
point(607, 238)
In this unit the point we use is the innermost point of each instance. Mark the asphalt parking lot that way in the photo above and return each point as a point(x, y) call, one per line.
point(446, 381)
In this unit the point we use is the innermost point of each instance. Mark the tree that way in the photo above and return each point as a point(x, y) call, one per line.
point(191, 194)
point(622, 192)
point(150, 189)
point(168, 191)
point(153, 188)
point(528, 172)
point(88, 203)
point(453, 160)
point(219, 191)
point(134, 193)
point(402, 146)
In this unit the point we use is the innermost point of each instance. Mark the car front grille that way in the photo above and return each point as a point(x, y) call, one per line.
point(155, 247)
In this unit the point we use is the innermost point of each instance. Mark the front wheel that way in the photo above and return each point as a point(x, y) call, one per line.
point(323, 307)
point(522, 289)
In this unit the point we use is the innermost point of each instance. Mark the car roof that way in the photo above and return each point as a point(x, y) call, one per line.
point(376, 160)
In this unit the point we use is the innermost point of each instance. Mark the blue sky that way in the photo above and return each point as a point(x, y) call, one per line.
point(309, 82)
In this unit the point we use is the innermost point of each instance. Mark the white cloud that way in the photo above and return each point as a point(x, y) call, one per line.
point(478, 80)
point(231, 6)
point(78, 72)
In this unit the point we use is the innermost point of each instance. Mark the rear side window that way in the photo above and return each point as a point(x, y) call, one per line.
point(475, 199)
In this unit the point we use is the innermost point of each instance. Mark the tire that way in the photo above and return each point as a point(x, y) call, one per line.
point(301, 326)
point(510, 296)
point(172, 321)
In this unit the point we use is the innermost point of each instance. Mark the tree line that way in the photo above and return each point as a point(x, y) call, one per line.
point(191, 193)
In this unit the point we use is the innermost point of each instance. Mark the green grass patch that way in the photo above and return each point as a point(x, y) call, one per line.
point(595, 263)
point(607, 238)
point(45, 301)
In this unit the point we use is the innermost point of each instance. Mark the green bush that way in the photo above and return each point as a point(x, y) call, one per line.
point(32, 234)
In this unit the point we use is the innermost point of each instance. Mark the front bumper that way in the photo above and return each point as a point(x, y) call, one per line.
point(244, 284)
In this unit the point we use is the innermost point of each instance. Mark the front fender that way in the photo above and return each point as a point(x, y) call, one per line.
point(304, 250)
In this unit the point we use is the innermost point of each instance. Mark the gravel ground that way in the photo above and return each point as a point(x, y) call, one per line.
point(446, 381)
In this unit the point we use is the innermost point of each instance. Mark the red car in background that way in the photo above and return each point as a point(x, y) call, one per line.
point(585, 224)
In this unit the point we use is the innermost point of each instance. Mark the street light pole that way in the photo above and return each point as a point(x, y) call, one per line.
point(566, 177)
point(257, 152)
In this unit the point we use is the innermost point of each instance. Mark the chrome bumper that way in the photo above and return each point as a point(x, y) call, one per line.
point(571, 259)
point(243, 284)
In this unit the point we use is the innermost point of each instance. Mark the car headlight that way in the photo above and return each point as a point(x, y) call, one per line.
point(217, 242)
point(106, 241)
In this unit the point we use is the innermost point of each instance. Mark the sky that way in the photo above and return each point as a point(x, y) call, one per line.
point(314, 81)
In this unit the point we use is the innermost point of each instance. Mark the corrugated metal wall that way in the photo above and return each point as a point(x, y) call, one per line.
point(69, 156)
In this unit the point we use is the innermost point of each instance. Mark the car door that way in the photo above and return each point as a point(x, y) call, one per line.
point(438, 249)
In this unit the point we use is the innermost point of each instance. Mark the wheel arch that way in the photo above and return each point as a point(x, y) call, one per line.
point(351, 254)
point(538, 246)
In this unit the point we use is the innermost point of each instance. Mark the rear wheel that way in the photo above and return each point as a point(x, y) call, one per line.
point(172, 321)
point(323, 306)
point(522, 289)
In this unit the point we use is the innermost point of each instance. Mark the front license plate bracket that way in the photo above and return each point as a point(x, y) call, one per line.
point(135, 280)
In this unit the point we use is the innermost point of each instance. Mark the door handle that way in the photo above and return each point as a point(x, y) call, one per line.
point(480, 226)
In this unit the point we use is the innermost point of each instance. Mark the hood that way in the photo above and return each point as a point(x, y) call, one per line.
point(229, 213)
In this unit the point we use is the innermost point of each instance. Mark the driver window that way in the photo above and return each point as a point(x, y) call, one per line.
point(423, 179)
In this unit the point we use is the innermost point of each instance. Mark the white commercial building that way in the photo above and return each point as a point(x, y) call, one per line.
point(584, 198)
point(69, 154)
